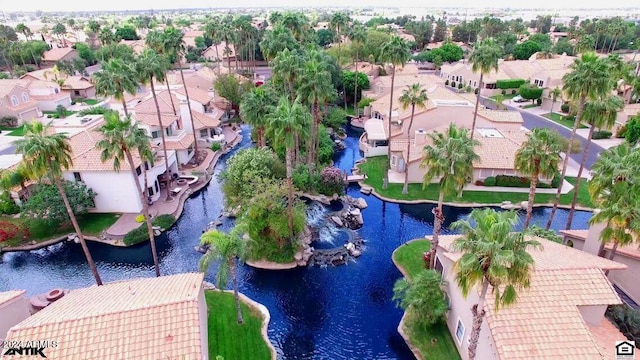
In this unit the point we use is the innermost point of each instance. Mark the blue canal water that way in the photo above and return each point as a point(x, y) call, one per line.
point(316, 313)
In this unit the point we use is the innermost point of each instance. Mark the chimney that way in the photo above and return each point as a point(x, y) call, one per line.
point(420, 137)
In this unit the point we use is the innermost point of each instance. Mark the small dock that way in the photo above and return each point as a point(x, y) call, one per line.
point(356, 178)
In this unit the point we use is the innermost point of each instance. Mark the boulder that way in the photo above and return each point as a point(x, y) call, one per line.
point(355, 212)
point(156, 232)
point(306, 257)
point(359, 219)
point(298, 256)
point(335, 197)
point(337, 220)
point(366, 190)
point(356, 253)
point(360, 203)
point(72, 236)
point(350, 246)
point(301, 262)
point(217, 223)
point(524, 204)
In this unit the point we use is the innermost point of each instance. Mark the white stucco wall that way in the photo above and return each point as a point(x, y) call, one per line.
point(116, 192)
point(12, 313)
point(204, 333)
point(50, 105)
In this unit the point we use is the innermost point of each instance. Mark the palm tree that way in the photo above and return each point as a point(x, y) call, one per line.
point(174, 45)
point(156, 41)
point(499, 99)
point(483, 59)
point(491, 255)
point(337, 23)
point(277, 40)
point(121, 139)
point(589, 79)
point(599, 114)
point(25, 30)
point(224, 248)
point(212, 29)
point(396, 52)
point(46, 152)
point(17, 176)
point(556, 94)
point(412, 96)
point(286, 67)
point(358, 36)
point(116, 78)
point(538, 156)
point(449, 159)
point(254, 108)
point(286, 120)
point(150, 65)
point(614, 190)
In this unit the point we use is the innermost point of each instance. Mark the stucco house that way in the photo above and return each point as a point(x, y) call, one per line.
point(176, 136)
point(136, 45)
point(47, 94)
point(79, 87)
point(629, 111)
point(561, 314)
point(15, 101)
point(625, 282)
point(51, 57)
point(145, 318)
point(14, 308)
point(499, 132)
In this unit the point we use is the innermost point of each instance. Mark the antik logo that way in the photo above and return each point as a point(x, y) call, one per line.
point(28, 351)
point(625, 350)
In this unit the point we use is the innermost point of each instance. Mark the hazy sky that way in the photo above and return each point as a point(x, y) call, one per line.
point(77, 5)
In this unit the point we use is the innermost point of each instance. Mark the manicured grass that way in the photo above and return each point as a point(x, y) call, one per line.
point(90, 101)
point(409, 257)
point(529, 106)
point(54, 113)
point(19, 131)
point(562, 120)
point(507, 96)
point(226, 337)
point(374, 168)
point(95, 223)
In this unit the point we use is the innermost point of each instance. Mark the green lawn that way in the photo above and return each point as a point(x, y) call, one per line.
point(562, 120)
point(91, 224)
point(529, 106)
point(226, 337)
point(90, 101)
point(409, 257)
point(507, 96)
point(19, 131)
point(374, 168)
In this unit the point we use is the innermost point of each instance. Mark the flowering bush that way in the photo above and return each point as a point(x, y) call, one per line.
point(140, 218)
point(332, 181)
point(9, 230)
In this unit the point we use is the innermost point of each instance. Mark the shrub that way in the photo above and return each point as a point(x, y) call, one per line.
point(627, 320)
point(632, 132)
point(332, 181)
point(476, 91)
point(164, 221)
point(510, 83)
point(7, 205)
point(490, 181)
point(539, 101)
point(141, 233)
point(503, 92)
point(301, 179)
point(512, 181)
point(555, 182)
point(453, 84)
point(140, 218)
point(468, 89)
point(365, 102)
point(10, 230)
point(446, 83)
point(514, 91)
point(478, 183)
point(530, 91)
point(621, 132)
point(9, 121)
point(460, 86)
point(94, 110)
point(382, 71)
point(216, 146)
point(601, 134)
point(565, 108)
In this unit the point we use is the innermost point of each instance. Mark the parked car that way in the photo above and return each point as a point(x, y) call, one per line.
point(519, 99)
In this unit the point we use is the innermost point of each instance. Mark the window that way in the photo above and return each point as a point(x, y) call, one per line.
point(56, 90)
point(146, 165)
point(538, 82)
point(76, 92)
point(156, 186)
point(150, 191)
point(138, 170)
point(438, 266)
point(155, 134)
point(459, 331)
point(447, 299)
point(14, 100)
point(77, 177)
point(168, 131)
point(400, 164)
point(490, 86)
point(394, 160)
point(204, 133)
point(25, 97)
point(190, 150)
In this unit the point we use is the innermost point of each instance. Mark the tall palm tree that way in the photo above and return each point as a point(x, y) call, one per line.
point(358, 36)
point(286, 68)
point(287, 119)
point(46, 152)
point(150, 65)
point(556, 94)
point(254, 108)
point(225, 248)
point(614, 190)
point(122, 139)
point(25, 30)
point(116, 78)
point(156, 41)
point(212, 30)
point(599, 114)
point(315, 88)
point(277, 40)
point(174, 45)
point(483, 59)
point(589, 79)
point(396, 52)
point(491, 255)
point(414, 95)
point(337, 23)
point(538, 156)
point(449, 159)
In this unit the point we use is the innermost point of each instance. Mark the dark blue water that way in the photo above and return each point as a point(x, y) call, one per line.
point(316, 313)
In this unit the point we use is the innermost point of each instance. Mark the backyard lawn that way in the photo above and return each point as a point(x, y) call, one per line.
point(226, 337)
point(13, 131)
point(507, 96)
point(562, 120)
point(90, 102)
point(409, 257)
point(374, 168)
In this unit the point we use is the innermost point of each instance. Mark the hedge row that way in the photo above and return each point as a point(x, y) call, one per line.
point(516, 181)
point(510, 83)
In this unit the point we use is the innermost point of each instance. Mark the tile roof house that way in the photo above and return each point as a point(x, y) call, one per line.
point(15, 101)
point(14, 308)
point(76, 85)
point(147, 318)
point(50, 57)
point(626, 282)
point(560, 316)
